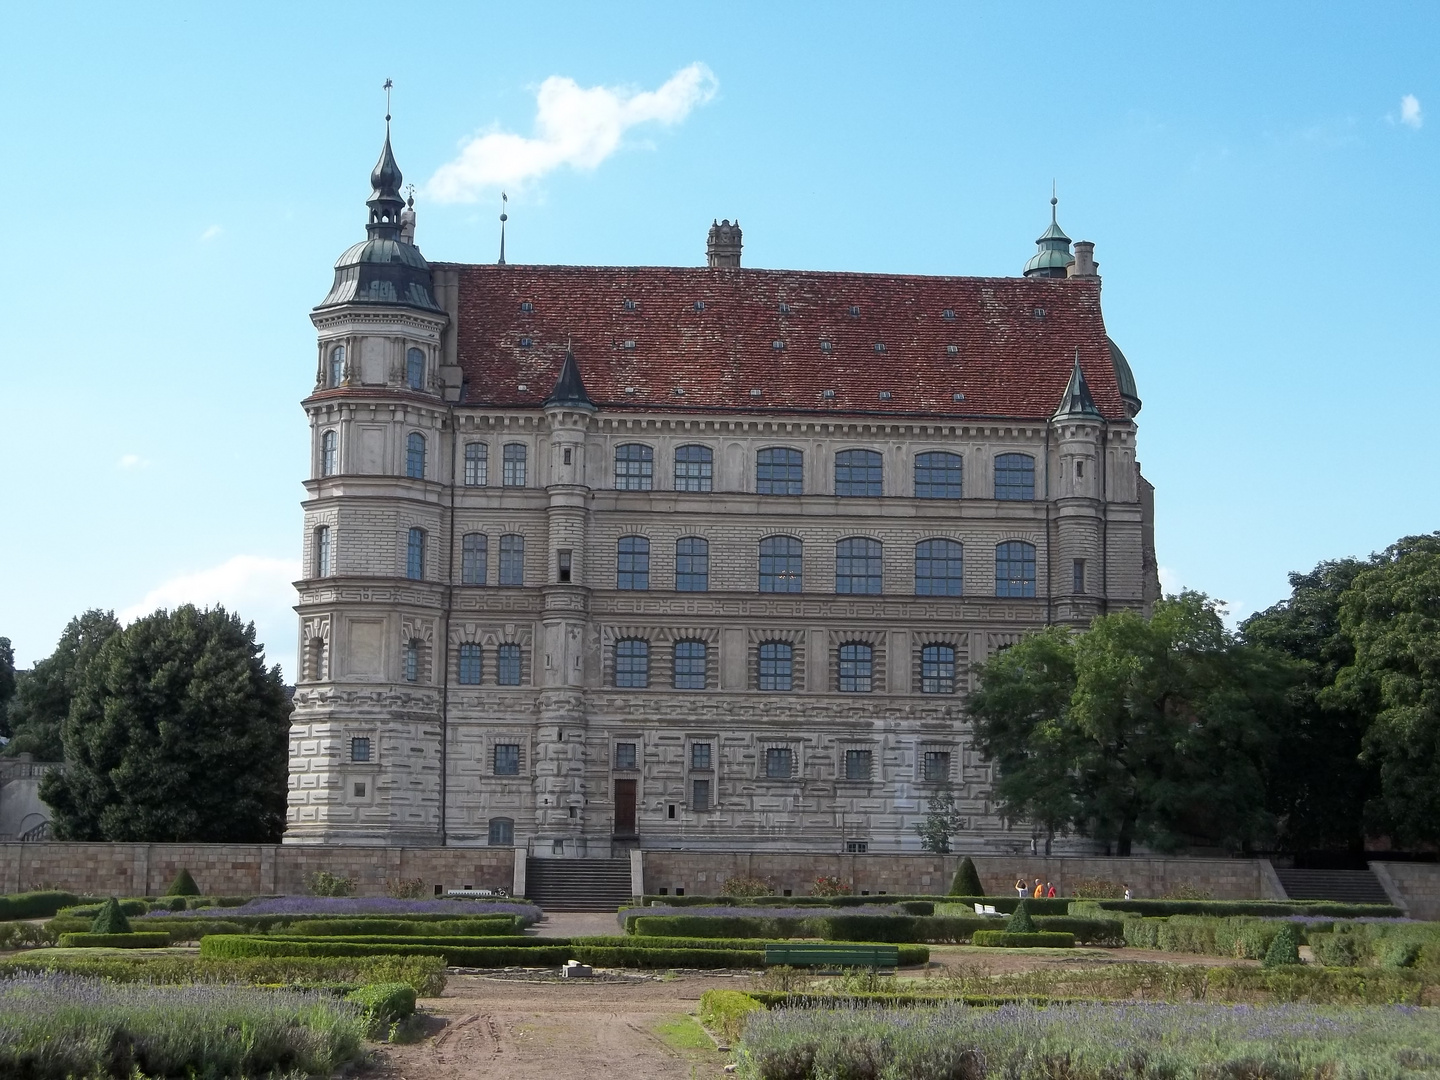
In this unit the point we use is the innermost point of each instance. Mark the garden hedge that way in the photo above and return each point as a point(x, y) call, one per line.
point(1006, 905)
point(384, 1004)
point(725, 1012)
point(115, 941)
point(888, 929)
point(38, 905)
point(488, 926)
point(1041, 939)
point(1223, 908)
point(914, 905)
point(178, 929)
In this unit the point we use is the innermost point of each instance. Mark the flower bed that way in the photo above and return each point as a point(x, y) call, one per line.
point(351, 906)
point(57, 1026)
point(1090, 1042)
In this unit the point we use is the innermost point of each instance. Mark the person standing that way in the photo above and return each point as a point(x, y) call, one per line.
point(1127, 892)
point(1020, 889)
point(1039, 890)
point(1049, 891)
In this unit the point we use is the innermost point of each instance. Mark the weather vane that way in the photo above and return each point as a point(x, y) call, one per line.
point(386, 88)
point(504, 217)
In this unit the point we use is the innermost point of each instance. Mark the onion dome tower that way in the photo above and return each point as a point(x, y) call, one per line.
point(1053, 258)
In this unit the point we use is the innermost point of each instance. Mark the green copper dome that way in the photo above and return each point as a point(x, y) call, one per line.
point(1053, 258)
point(1124, 378)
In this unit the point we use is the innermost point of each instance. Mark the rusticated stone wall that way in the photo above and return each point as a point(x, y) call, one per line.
point(1418, 885)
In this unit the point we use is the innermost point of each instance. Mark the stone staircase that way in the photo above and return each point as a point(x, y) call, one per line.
point(578, 884)
point(1351, 886)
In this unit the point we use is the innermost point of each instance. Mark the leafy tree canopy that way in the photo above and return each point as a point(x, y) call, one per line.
point(177, 732)
point(1156, 731)
point(7, 682)
point(42, 694)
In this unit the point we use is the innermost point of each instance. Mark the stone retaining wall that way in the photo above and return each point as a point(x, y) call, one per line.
point(1418, 884)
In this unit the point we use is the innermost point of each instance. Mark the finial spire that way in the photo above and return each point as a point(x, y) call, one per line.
point(385, 180)
point(1054, 202)
point(387, 87)
point(1052, 257)
point(504, 217)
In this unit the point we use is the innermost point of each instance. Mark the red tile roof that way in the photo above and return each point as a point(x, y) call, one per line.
point(640, 340)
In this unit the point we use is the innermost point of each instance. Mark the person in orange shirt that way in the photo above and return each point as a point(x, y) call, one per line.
point(1039, 889)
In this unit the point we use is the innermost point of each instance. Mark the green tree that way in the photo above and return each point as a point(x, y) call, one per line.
point(1153, 731)
point(177, 732)
point(967, 880)
point(943, 819)
point(1392, 614)
point(42, 694)
point(1316, 786)
point(7, 683)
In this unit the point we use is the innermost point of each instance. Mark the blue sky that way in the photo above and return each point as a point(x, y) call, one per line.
point(1259, 180)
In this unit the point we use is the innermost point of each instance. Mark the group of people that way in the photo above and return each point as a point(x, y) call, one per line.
point(1047, 890)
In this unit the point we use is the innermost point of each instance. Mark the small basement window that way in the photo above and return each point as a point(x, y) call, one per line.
point(856, 847)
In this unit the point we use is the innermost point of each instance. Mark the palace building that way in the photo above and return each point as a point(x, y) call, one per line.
point(600, 558)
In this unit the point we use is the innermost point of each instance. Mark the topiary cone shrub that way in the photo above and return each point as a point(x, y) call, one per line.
point(967, 880)
point(1284, 951)
point(111, 919)
point(1020, 922)
point(183, 885)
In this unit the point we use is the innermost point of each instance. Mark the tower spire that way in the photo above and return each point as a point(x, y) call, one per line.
point(1053, 255)
point(1077, 401)
point(385, 179)
point(504, 217)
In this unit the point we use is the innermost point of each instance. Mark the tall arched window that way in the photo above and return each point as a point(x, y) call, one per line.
point(1015, 568)
point(859, 473)
point(776, 660)
point(470, 664)
point(513, 470)
point(859, 566)
point(779, 470)
point(415, 369)
point(939, 568)
point(937, 669)
point(474, 552)
point(337, 366)
point(694, 468)
point(780, 565)
point(329, 453)
point(937, 475)
point(1014, 476)
point(415, 555)
point(690, 665)
point(632, 663)
point(692, 564)
point(507, 665)
point(512, 559)
point(477, 462)
point(415, 456)
point(856, 668)
point(634, 467)
point(632, 563)
point(322, 551)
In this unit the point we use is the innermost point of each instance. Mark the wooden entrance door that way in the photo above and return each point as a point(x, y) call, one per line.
point(624, 807)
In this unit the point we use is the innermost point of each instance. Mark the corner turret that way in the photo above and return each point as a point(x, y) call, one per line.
point(1053, 258)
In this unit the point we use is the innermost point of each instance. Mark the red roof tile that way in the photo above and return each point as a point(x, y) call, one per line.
point(1009, 360)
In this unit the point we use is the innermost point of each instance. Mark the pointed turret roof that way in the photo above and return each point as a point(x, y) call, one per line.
point(1053, 257)
point(1076, 401)
point(569, 387)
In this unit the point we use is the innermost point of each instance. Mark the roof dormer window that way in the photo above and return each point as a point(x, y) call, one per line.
point(525, 343)
point(778, 345)
point(526, 306)
point(952, 350)
point(948, 313)
point(699, 305)
point(784, 308)
point(629, 305)
point(826, 347)
point(854, 311)
point(879, 346)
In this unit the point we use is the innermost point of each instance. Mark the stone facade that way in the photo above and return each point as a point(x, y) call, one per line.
point(474, 604)
point(22, 813)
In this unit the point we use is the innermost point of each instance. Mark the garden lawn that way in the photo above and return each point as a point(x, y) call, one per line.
point(1092, 1042)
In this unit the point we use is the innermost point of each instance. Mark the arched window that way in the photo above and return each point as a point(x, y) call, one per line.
point(859, 566)
point(690, 665)
point(777, 662)
point(1015, 568)
point(411, 660)
point(632, 662)
point(694, 468)
point(512, 559)
point(780, 565)
point(322, 551)
point(937, 475)
point(632, 563)
point(507, 665)
point(856, 666)
point(337, 366)
point(474, 548)
point(692, 564)
point(939, 568)
point(329, 453)
point(477, 464)
point(502, 832)
point(858, 473)
point(937, 669)
point(415, 369)
point(415, 555)
point(1014, 476)
point(415, 456)
point(513, 467)
point(634, 467)
point(470, 664)
point(779, 470)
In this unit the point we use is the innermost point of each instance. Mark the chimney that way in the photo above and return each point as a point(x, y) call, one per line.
point(722, 248)
point(1084, 264)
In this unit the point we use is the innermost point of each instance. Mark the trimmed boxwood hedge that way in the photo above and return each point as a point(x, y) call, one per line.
point(115, 941)
point(1006, 905)
point(1226, 908)
point(384, 1004)
point(1086, 931)
point(38, 905)
point(1041, 939)
point(487, 926)
point(889, 929)
point(914, 905)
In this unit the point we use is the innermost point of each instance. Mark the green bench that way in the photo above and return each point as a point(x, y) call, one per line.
point(833, 956)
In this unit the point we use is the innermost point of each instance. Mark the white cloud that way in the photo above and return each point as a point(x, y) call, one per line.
point(211, 233)
point(1410, 114)
point(131, 461)
point(574, 125)
point(255, 588)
